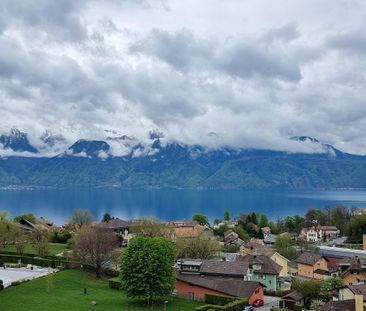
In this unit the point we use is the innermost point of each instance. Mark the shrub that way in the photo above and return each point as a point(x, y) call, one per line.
point(1, 285)
point(15, 283)
point(115, 283)
point(218, 300)
point(237, 305)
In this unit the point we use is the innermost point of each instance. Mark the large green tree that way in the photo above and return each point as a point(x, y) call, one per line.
point(147, 270)
point(286, 246)
point(201, 219)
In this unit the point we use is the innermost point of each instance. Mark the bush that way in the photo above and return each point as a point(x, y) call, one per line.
point(1, 285)
point(15, 283)
point(237, 305)
point(218, 300)
point(37, 261)
point(231, 248)
point(115, 283)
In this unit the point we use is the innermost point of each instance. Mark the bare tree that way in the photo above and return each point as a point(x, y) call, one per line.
point(197, 248)
point(94, 246)
point(40, 240)
point(151, 227)
point(81, 217)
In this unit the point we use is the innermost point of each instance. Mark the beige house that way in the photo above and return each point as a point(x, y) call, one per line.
point(272, 254)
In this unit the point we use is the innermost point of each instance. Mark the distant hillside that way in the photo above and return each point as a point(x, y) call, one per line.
point(89, 163)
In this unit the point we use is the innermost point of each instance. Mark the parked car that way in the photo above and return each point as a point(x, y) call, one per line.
point(258, 303)
point(248, 308)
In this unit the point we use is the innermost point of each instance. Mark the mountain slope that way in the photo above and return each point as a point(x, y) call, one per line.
point(90, 163)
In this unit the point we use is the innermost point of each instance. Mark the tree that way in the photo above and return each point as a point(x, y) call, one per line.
point(29, 217)
point(93, 246)
point(4, 216)
point(329, 286)
point(286, 246)
point(40, 241)
point(201, 219)
point(263, 221)
point(242, 233)
point(81, 217)
point(147, 268)
point(309, 288)
point(19, 238)
point(226, 216)
point(197, 248)
point(106, 217)
point(357, 227)
point(314, 217)
point(151, 227)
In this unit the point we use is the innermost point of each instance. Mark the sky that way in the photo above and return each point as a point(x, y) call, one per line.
point(238, 73)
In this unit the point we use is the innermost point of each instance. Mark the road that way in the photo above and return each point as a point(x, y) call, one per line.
point(269, 302)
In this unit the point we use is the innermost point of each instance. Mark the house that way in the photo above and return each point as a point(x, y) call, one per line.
point(308, 263)
point(119, 226)
point(275, 256)
point(268, 237)
point(232, 238)
point(196, 286)
point(292, 299)
point(229, 224)
point(292, 268)
point(349, 291)
point(352, 271)
point(344, 305)
point(191, 229)
point(320, 233)
point(262, 269)
point(232, 269)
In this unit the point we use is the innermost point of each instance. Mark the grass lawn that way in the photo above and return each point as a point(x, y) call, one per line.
point(64, 291)
point(54, 249)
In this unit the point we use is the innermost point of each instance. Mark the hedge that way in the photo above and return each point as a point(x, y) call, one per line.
point(51, 257)
point(237, 305)
point(37, 261)
point(218, 300)
point(1, 285)
point(115, 283)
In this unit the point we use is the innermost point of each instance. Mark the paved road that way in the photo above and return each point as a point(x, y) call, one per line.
point(269, 302)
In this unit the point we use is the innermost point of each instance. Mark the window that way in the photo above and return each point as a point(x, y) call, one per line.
point(191, 296)
point(270, 282)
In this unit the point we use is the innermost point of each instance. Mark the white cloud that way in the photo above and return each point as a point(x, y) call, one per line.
point(252, 73)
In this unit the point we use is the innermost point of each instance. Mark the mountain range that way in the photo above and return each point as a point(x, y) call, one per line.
point(123, 162)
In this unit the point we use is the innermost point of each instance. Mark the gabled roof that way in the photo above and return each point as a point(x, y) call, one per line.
point(309, 259)
point(359, 289)
point(354, 265)
point(114, 224)
point(294, 296)
point(234, 287)
point(268, 266)
point(227, 268)
point(340, 305)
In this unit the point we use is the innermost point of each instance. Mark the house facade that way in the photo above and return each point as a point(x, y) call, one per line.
point(352, 271)
point(262, 269)
point(319, 233)
point(311, 265)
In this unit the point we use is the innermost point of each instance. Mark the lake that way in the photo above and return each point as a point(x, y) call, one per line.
point(57, 205)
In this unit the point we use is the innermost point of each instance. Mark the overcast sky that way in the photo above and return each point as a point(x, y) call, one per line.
point(215, 72)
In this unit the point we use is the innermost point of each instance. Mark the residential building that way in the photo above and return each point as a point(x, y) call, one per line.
point(352, 271)
point(291, 300)
point(344, 305)
point(119, 226)
point(308, 263)
point(262, 269)
point(195, 287)
point(319, 233)
point(349, 291)
point(191, 229)
point(274, 255)
point(232, 238)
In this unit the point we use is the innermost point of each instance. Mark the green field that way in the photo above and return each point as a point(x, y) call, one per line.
point(64, 291)
point(54, 249)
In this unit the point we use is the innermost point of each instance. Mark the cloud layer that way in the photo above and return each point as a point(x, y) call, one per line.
point(218, 73)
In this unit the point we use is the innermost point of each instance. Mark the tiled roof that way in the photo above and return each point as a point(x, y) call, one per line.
point(359, 289)
point(293, 296)
point(234, 287)
point(308, 258)
point(268, 266)
point(341, 305)
point(114, 224)
point(228, 268)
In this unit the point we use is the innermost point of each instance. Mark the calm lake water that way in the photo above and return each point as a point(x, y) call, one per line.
point(57, 205)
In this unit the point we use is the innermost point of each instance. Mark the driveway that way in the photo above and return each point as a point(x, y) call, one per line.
point(269, 302)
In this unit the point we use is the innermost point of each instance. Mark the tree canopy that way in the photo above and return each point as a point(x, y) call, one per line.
point(147, 270)
point(201, 219)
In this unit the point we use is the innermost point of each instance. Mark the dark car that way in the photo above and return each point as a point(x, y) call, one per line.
point(258, 303)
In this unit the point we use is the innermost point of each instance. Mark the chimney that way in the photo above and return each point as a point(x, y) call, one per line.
point(364, 242)
point(358, 302)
